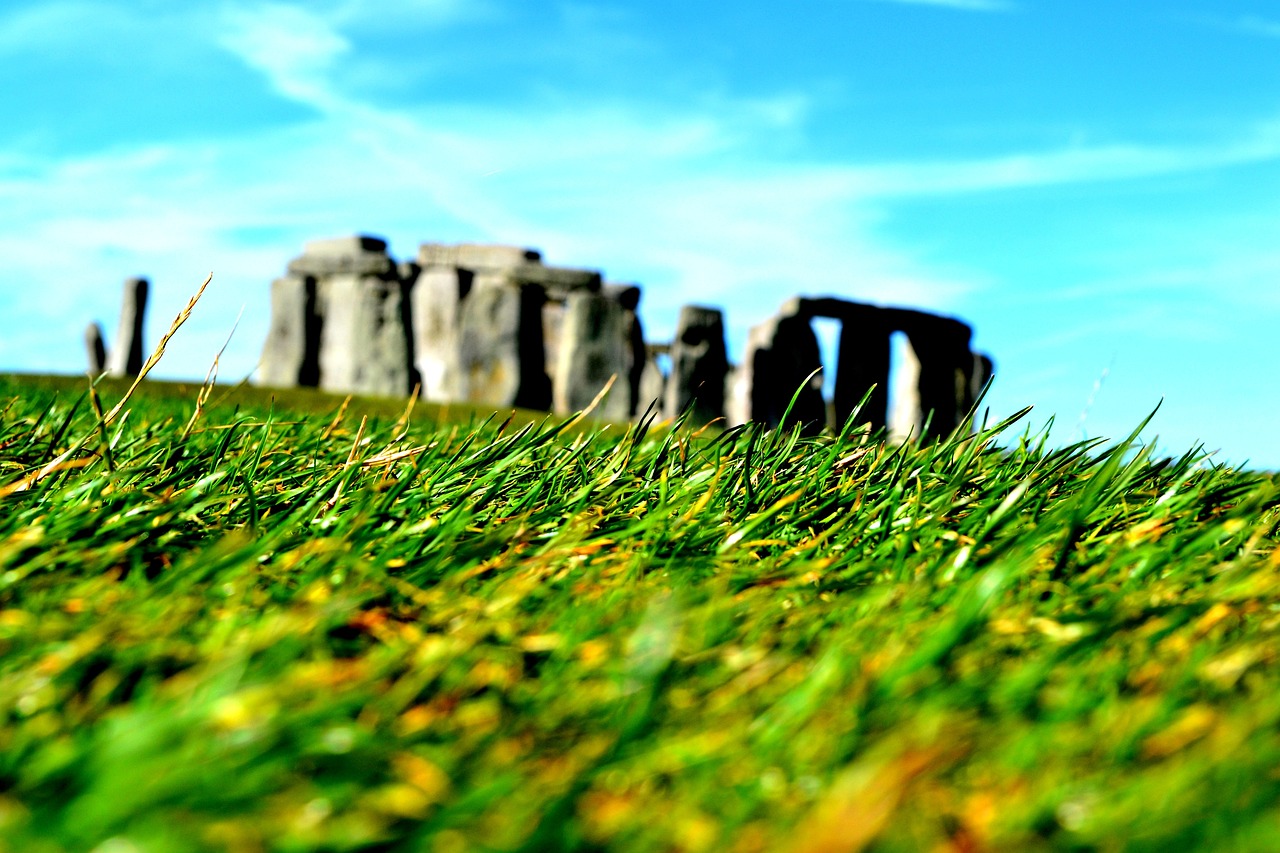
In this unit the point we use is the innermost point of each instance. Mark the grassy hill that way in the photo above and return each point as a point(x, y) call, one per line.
point(285, 625)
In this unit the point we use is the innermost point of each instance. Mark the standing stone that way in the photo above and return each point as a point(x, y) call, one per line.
point(698, 365)
point(628, 297)
point(593, 349)
point(984, 371)
point(96, 349)
point(364, 346)
point(780, 363)
point(126, 357)
point(938, 354)
point(653, 387)
point(437, 300)
point(291, 355)
point(502, 354)
point(862, 367)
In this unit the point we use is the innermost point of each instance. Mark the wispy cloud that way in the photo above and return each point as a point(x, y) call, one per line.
point(1253, 25)
point(963, 5)
point(1257, 26)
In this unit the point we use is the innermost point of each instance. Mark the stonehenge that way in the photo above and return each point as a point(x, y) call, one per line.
point(493, 325)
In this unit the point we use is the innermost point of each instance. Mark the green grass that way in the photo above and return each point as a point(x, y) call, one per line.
point(293, 631)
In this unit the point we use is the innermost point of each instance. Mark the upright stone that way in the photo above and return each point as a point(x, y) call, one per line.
point(984, 370)
point(780, 363)
point(127, 355)
point(698, 365)
point(593, 349)
point(96, 348)
point(363, 344)
point(653, 387)
point(437, 301)
point(291, 355)
point(628, 297)
point(502, 354)
point(863, 365)
point(342, 320)
point(940, 348)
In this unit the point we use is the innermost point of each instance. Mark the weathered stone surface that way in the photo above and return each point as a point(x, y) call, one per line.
point(96, 349)
point(477, 257)
point(437, 299)
point(626, 295)
point(557, 282)
point(780, 363)
point(360, 255)
point(698, 365)
point(291, 355)
point(128, 353)
point(502, 355)
point(552, 325)
point(653, 389)
point(364, 343)
point(594, 347)
point(356, 244)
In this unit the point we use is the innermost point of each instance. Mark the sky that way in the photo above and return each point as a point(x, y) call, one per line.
point(1093, 185)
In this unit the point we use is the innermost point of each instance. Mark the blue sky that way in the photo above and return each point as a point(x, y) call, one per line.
point(1095, 186)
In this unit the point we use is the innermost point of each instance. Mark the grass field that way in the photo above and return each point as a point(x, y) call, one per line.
point(289, 626)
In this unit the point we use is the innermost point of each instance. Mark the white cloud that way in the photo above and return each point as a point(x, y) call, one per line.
point(1255, 25)
point(293, 47)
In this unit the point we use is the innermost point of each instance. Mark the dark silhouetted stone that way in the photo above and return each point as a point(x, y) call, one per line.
point(698, 365)
point(779, 365)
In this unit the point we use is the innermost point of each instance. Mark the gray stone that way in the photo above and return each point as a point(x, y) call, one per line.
point(437, 299)
point(360, 255)
point(502, 353)
point(477, 257)
point(127, 355)
point(552, 325)
point(626, 295)
point(96, 348)
point(780, 363)
point(364, 343)
point(291, 355)
point(698, 365)
point(594, 347)
point(653, 389)
point(557, 282)
point(356, 244)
